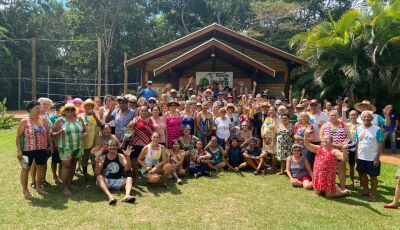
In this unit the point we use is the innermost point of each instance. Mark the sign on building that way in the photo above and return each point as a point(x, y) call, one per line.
point(214, 78)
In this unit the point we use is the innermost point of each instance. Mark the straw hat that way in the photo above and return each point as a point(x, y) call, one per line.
point(365, 103)
point(265, 104)
point(90, 102)
point(67, 106)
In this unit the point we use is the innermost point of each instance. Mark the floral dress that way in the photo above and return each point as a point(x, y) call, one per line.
point(324, 173)
point(174, 130)
point(284, 142)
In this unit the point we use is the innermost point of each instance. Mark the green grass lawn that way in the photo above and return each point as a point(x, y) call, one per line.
point(228, 201)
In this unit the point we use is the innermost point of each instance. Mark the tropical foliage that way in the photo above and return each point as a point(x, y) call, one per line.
point(357, 55)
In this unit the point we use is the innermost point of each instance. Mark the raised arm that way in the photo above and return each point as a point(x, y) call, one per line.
point(311, 147)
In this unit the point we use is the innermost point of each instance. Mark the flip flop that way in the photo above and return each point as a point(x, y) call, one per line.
point(129, 199)
point(113, 201)
point(392, 206)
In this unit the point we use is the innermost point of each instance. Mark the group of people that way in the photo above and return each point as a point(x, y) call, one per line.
point(158, 135)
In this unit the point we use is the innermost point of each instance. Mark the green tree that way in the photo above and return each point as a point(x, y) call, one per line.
point(355, 55)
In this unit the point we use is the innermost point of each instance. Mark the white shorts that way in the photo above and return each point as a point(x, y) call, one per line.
point(115, 183)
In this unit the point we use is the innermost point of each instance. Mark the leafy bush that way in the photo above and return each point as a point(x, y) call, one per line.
point(6, 120)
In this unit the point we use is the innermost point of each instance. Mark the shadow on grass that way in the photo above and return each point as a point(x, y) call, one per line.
point(81, 192)
point(356, 199)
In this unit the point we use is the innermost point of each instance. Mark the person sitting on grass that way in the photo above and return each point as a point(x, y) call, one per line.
point(298, 169)
point(199, 161)
point(369, 139)
point(109, 172)
point(324, 172)
point(154, 161)
point(217, 162)
point(234, 155)
point(253, 157)
point(176, 158)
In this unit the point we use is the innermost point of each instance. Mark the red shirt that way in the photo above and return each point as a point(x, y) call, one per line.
point(142, 132)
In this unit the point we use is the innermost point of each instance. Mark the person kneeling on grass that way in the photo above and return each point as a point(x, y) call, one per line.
point(324, 172)
point(176, 158)
point(154, 161)
point(199, 161)
point(298, 169)
point(234, 155)
point(217, 162)
point(253, 157)
point(109, 172)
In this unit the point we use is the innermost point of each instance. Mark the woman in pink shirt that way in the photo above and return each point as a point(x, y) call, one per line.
point(159, 124)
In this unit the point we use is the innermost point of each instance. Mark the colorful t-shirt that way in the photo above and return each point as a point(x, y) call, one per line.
point(35, 135)
point(91, 129)
point(368, 141)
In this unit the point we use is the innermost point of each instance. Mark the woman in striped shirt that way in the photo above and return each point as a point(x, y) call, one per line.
point(143, 128)
point(71, 130)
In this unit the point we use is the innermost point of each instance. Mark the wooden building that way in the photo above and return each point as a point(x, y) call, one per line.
point(216, 51)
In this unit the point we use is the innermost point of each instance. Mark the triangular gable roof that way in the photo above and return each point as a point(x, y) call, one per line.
point(211, 29)
point(214, 43)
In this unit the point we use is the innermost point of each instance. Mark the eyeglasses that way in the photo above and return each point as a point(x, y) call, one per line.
point(69, 110)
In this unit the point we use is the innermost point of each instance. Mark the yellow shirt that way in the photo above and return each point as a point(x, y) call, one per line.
point(91, 129)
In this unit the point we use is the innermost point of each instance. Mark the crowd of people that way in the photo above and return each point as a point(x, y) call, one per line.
point(156, 136)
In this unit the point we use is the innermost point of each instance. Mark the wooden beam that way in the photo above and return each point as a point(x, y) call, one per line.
point(205, 47)
point(212, 29)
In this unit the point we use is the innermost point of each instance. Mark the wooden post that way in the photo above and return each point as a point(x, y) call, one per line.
point(19, 84)
point(99, 67)
point(33, 70)
point(125, 74)
point(48, 81)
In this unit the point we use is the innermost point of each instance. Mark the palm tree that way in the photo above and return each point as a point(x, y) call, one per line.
point(356, 55)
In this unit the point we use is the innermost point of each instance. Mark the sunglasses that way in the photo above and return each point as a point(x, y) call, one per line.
point(69, 110)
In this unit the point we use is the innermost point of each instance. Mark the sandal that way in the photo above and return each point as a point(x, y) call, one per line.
point(391, 206)
point(113, 201)
point(129, 199)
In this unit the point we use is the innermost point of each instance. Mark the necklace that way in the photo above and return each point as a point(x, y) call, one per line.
point(39, 128)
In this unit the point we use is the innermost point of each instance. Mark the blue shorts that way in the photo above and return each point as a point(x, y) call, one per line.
point(368, 167)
